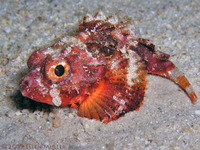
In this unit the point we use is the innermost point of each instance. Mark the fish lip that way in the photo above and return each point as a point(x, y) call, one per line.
point(35, 94)
point(32, 86)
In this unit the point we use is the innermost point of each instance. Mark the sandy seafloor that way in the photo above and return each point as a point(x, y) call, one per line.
point(166, 121)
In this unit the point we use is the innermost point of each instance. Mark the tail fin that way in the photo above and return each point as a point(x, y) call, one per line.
point(158, 63)
point(178, 77)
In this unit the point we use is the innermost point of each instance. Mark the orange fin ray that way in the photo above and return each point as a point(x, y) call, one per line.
point(109, 101)
point(97, 105)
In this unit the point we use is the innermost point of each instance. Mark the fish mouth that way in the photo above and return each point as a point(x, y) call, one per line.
point(31, 86)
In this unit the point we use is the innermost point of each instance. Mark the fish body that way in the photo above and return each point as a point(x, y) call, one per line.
point(101, 70)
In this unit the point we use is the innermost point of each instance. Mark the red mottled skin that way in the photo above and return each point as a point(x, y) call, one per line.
point(101, 70)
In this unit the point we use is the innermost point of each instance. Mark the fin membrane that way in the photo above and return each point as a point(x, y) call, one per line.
point(112, 99)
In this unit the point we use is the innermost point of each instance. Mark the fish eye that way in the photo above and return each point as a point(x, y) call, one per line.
point(59, 70)
point(56, 69)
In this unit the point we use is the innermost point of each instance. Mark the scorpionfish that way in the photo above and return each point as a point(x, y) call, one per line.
point(101, 70)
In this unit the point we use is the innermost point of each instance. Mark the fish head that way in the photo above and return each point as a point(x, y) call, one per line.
point(62, 75)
